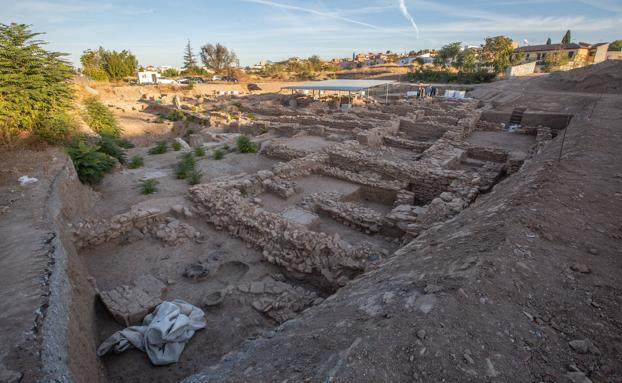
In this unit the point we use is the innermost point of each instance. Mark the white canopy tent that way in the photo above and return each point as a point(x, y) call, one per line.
point(343, 86)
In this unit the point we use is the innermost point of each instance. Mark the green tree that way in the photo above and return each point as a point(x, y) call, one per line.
point(170, 72)
point(92, 65)
point(497, 52)
point(448, 54)
point(190, 61)
point(467, 60)
point(218, 57)
point(315, 63)
point(615, 45)
point(119, 64)
point(567, 39)
point(548, 41)
point(102, 64)
point(35, 88)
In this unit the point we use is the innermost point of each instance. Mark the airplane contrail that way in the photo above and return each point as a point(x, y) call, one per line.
point(313, 11)
point(408, 17)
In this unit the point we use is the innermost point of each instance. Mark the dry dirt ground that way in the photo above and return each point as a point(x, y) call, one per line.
point(522, 286)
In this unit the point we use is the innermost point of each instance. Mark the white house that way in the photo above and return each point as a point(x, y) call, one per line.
point(148, 77)
point(425, 58)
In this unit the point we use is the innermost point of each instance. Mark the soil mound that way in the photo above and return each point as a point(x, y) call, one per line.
point(605, 77)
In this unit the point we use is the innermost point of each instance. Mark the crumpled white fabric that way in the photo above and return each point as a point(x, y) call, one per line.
point(26, 180)
point(162, 336)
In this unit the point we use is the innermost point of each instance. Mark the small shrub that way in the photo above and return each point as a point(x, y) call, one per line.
point(190, 85)
point(186, 166)
point(149, 186)
point(161, 147)
point(219, 154)
point(176, 146)
point(100, 118)
point(251, 116)
point(263, 130)
point(55, 128)
point(195, 177)
point(90, 164)
point(110, 146)
point(136, 162)
point(125, 144)
point(175, 115)
point(245, 145)
point(225, 147)
point(159, 120)
point(199, 152)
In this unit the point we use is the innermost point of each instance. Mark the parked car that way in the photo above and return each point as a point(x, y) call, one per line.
point(163, 80)
point(230, 79)
point(216, 78)
point(187, 79)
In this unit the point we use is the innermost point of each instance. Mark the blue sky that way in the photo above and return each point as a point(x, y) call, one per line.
point(157, 31)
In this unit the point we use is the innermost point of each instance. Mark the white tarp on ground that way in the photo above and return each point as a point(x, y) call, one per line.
point(162, 336)
point(455, 94)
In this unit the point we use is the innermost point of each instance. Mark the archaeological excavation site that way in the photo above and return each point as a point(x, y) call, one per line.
point(324, 237)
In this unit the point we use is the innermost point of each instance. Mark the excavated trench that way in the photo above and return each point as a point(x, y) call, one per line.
point(243, 295)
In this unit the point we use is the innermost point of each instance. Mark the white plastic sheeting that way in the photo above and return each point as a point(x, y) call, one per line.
point(163, 335)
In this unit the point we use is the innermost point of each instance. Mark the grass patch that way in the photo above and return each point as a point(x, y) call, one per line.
point(219, 154)
point(125, 144)
point(186, 166)
point(175, 115)
point(149, 186)
point(161, 147)
point(176, 146)
point(100, 118)
point(245, 145)
point(195, 177)
point(136, 162)
point(199, 152)
point(110, 146)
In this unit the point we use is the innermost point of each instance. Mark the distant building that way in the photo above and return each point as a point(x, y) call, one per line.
point(578, 54)
point(425, 58)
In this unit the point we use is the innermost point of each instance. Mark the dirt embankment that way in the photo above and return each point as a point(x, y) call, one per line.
point(45, 298)
point(605, 77)
point(523, 286)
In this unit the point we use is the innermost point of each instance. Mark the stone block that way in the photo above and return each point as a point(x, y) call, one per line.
point(129, 304)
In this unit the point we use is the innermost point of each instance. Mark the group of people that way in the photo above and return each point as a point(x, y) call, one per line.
point(425, 91)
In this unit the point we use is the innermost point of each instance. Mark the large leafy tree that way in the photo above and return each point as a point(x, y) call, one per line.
point(102, 64)
point(615, 45)
point(218, 57)
point(497, 52)
point(190, 61)
point(448, 54)
point(35, 88)
point(467, 60)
